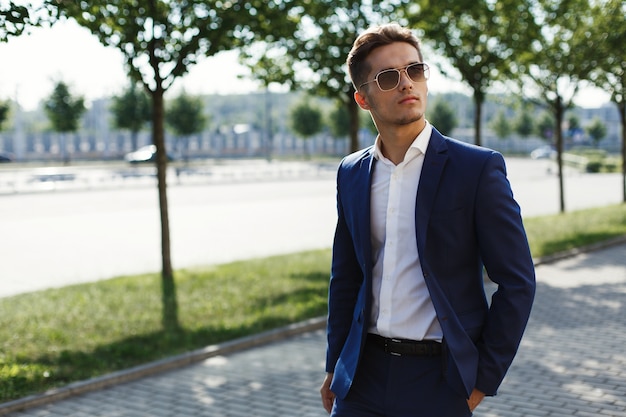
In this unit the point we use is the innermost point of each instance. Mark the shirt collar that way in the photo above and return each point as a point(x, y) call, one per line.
point(420, 144)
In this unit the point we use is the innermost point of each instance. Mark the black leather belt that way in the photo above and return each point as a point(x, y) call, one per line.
point(401, 347)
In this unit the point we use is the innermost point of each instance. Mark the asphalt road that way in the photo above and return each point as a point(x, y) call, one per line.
point(99, 226)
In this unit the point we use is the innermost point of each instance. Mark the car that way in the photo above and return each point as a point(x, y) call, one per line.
point(144, 154)
point(6, 157)
point(543, 152)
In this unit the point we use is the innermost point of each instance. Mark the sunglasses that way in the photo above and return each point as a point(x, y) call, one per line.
point(389, 79)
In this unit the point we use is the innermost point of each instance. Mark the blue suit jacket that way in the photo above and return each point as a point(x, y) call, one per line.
point(466, 218)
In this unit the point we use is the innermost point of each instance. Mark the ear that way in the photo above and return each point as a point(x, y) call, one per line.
point(361, 100)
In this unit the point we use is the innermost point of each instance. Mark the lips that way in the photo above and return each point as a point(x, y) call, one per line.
point(409, 99)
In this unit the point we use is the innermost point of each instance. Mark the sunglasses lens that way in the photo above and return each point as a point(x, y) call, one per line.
point(417, 72)
point(388, 80)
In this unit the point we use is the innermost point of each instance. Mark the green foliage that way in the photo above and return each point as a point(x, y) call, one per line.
point(367, 122)
point(177, 33)
point(573, 122)
point(442, 117)
point(185, 115)
point(64, 110)
point(4, 112)
point(596, 130)
point(15, 19)
point(545, 126)
point(501, 125)
point(306, 119)
point(523, 124)
point(132, 110)
point(339, 121)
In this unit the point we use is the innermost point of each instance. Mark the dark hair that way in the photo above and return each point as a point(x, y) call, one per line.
point(371, 39)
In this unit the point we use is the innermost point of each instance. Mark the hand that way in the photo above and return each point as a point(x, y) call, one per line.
point(328, 397)
point(475, 398)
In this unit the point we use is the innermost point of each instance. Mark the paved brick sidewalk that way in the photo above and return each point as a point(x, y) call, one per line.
point(572, 362)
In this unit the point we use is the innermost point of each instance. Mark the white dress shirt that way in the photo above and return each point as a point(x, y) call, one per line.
point(401, 306)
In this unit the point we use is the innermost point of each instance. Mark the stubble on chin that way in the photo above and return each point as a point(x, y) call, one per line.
point(409, 119)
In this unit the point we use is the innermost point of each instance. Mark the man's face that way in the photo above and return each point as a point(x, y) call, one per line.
point(402, 105)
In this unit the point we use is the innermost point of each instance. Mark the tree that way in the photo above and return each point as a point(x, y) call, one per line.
point(4, 112)
point(314, 57)
point(573, 122)
point(477, 37)
point(523, 124)
point(185, 116)
point(306, 120)
point(545, 126)
point(551, 69)
point(339, 121)
point(15, 19)
point(64, 112)
point(132, 111)
point(607, 31)
point(596, 130)
point(573, 127)
point(442, 117)
point(501, 125)
point(160, 40)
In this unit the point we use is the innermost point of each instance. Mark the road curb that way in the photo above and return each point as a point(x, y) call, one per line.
point(619, 240)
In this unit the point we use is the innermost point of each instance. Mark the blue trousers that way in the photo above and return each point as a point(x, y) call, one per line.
point(400, 386)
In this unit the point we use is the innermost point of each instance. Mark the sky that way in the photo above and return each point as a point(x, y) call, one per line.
point(32, 64)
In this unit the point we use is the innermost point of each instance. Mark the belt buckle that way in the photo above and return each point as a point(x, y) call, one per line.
point(387, 350)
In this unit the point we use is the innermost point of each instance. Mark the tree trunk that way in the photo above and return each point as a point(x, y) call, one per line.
point(170, 306)
point(621, 106)
point(353, 111)
point(269, 135)
point(558, 116)
point(478, 110)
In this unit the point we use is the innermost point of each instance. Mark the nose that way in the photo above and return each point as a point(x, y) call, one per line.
point(405, 80)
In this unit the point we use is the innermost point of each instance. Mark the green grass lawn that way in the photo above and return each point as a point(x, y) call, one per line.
point(548, 235)
point(54, 337)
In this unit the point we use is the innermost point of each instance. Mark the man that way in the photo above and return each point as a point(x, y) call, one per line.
point(410, 331)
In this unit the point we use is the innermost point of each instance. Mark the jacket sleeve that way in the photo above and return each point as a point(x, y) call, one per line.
point(504, 249)
point(345, 282)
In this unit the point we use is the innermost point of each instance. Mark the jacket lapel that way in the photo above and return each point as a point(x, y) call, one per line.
point(365, 214)
point(434, 162)
point(461, 347)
